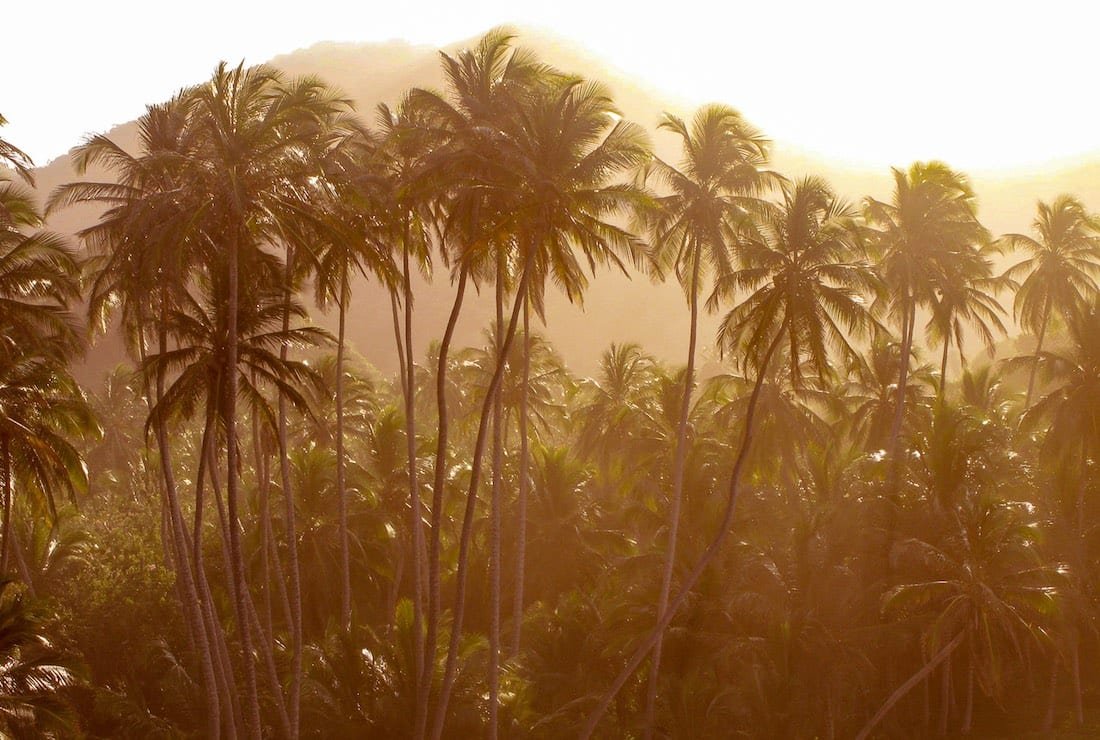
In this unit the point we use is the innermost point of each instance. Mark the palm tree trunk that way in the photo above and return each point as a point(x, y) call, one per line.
point(968, 710)
point(943, 372)
point(708, 555)
point(295, 595)
point(1052, 697)
point(223, 667)
point(468, 514)
point(903, 382)
point(438, 485)
point(232, 492)
point(1078, 703)
point(402, 373)
point(341, 488)
point(495, 513)
point(416, 532)
point(1038, 350)
point(676, 499)
point(902, 690)
point(5, 461)
point(524, 487)
point(192, 605)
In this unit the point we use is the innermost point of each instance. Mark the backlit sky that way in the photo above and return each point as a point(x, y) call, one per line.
point(982, 85)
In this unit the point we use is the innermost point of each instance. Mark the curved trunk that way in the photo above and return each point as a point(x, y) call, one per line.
point(295, 595)
point(438, 485)
point(1038, 350)
point(400, 344)
point(675, 501)
point(495, 513)
point(416, 533)
point(903, 382)
point(341, 488)
point(708, 555)
point(468, 515)
point(524, 487)
point(192, 604)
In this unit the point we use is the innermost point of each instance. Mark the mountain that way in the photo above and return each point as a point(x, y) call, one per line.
point(617, 307)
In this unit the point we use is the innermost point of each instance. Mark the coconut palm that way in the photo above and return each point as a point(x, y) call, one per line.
point(926, 231)
point(562, 146)
point(967, 299)
point(33, 673)
point(712, 190)
point(1059, 274)
point(809, 294)
point(15, 158)
point(260, 137)
point(146, 236)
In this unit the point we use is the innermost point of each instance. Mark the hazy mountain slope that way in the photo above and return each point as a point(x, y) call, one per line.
point(617, 308)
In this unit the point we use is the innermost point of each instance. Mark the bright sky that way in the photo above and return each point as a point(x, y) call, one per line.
point(982, 85)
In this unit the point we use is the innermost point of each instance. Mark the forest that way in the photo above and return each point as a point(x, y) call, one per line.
point(868, 515)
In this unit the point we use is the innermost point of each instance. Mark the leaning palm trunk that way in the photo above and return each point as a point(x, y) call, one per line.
point(416, 533)
point(232, 493)
point(943, 372)
point(524, 487)
point(495, 515)
point(341, 487)
point(295, 595)
point(900, 692)
point(1038, 352)
point(708, 555)
point(192, 607)
point(676, 499)
point(438, 484)
point(468, 515)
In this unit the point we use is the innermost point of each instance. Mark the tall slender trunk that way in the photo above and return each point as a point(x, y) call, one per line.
point(1078, 694)
point(903, 382)
point(968, 708)
point(468, 514)
point(709, 554)
point(524, 486)
point(295, 595)
point(400, 342)
point(438, 488)
point(900, 692)
point(223, 669)
point(262, 490)
point(1038, 350)
point(5, 462)
point(675, 500)
point(943, 373)
point(341, 488)
point(192, 605)
point(416, 532)
point(232, 492)
point(494, 510)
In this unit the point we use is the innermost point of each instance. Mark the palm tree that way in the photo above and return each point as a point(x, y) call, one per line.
point(42, 413)
point(927, 229)
point(465, 126)
point(712, 191)
point(561, 147)
point(15, 158)
point(33, 673)
point(1059, 273)
point(260, 139)
point(146, 236)
point(967, 298)
point(809, 287)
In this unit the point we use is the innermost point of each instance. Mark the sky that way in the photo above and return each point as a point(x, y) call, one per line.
point(985, 86)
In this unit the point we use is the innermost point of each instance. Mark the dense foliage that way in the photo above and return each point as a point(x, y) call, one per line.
point(247, 531)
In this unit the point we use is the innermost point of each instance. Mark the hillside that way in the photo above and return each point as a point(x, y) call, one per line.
point(618, 308)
